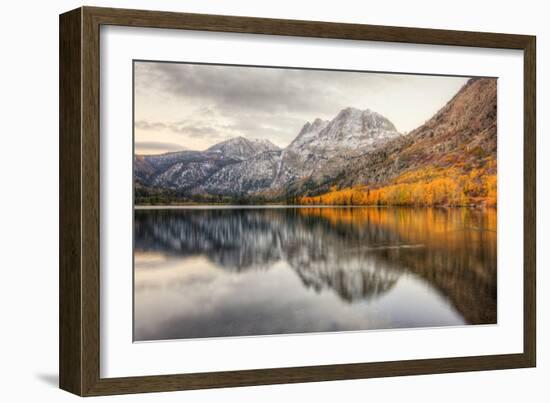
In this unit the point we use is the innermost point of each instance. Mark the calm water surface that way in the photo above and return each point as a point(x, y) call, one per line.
point(255, 271)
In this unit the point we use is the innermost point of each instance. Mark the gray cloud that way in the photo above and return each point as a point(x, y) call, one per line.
point(144, 125)
point(157, 146)
point(192, 130)
point(188, 128)
point(213, 102)
point(273, 90)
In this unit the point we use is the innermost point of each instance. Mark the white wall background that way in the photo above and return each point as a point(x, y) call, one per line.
point(29, 198)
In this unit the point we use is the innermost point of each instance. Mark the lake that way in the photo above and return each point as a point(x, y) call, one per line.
point(242, 271)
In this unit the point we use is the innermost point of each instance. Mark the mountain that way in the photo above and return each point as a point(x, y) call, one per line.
point(249, 167)
point(350, 129)
point(451, 159)
point(180, 170)
point(320, 148)
point(185, 170)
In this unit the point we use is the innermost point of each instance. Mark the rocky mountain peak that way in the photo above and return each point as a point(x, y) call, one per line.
point(364, 119)
point(349, 112)
point(351, 128)
point(310, 130)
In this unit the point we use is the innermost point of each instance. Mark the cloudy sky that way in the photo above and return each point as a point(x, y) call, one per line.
point(189, 106)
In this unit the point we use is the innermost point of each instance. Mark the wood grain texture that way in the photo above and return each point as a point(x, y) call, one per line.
point(80, 201)
point(317, 29)
point(70, 270)
point(90, 202)
point(530, 202)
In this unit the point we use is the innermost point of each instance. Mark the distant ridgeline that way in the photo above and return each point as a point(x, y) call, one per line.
point(357, 158)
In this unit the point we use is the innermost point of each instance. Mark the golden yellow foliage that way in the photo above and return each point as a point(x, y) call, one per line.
point(423, 187)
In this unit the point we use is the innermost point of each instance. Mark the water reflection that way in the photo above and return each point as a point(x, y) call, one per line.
point(230, 272)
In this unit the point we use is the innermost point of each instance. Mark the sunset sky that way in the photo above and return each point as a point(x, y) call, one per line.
point(188, 106)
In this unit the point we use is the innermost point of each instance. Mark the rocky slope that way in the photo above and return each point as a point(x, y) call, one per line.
point(462, 134)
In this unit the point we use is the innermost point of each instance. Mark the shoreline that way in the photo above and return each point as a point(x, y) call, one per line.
point(285, 206)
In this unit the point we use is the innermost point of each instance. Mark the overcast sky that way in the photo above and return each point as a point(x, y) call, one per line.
point(189, 106)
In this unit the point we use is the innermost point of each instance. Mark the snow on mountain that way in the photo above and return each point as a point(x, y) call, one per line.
point(309, 132)
point(251, 176)
point(181, 170)
point(350, 129)
point(243, 148)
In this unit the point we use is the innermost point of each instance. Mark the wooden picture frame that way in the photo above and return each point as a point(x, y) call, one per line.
point(79, 346)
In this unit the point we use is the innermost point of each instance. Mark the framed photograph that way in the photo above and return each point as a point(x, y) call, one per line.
point(249, 201)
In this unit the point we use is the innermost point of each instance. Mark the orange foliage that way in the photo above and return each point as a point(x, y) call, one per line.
point(423, 187)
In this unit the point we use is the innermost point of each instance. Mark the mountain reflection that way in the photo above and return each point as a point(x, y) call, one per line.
point(359, 253)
